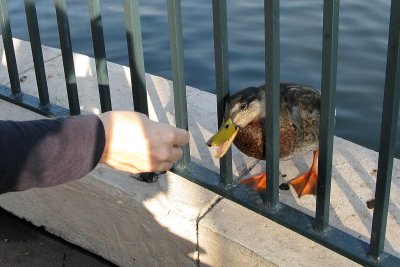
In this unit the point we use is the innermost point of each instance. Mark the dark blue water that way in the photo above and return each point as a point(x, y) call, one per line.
point(362, 48)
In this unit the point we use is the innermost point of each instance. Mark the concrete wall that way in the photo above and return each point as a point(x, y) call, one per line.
point(174, 222)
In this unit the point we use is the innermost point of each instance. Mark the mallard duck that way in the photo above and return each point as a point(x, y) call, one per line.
point(244, 125)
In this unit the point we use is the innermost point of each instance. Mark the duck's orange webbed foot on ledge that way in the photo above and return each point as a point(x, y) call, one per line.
point(257, 182)
point(306, 184)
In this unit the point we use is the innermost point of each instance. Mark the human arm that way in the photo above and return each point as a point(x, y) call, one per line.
point(45, 153)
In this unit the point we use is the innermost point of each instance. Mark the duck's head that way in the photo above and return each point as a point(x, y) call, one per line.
point(241, 109)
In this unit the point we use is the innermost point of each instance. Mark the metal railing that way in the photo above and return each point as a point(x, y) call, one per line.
point(318, 228)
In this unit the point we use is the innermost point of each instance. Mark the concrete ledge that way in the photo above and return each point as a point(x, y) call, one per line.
point(174, 222)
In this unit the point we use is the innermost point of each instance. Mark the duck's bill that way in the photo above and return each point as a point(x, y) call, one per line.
point(223, 138)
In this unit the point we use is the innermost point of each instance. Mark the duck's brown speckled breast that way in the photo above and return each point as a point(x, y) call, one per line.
point(251, 140)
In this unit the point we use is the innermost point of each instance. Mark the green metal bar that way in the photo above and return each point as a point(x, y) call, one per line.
point(327, 117)
point(222, 77)
point(272, 96)
point(388, 134)
point(32, 103)
point(9, 48)
point(136, 63)
point(100, 54)
point(135, 51)
point(36, 46)
point(68, 60)
point(178, 72)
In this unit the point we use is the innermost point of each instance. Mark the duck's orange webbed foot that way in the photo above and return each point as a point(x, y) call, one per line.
point(306, 184)
point(257, 182)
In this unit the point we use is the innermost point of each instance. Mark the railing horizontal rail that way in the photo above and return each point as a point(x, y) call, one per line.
point(32, 103)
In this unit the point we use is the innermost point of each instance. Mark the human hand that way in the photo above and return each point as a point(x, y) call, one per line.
point(137, 144)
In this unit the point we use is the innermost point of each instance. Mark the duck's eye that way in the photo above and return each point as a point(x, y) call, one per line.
point(243, 106)
point(226, 126)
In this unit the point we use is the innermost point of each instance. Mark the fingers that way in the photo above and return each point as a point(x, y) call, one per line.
point(164, 166)
point(165, 146)
point(164, 161)
point(167, 154)
point(154, 167)
point(181, 137)
point(174, 136)
point(174, 139)
point(176, 153)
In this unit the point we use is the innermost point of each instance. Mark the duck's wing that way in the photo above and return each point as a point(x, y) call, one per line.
point(300, 112)
point(303, 103)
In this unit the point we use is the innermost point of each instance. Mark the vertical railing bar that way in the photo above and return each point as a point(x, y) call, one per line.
point(388, 134)
point(100, 54)
point(222, 77)
point(68, 60)
point(272, 98)
point(36, 46)
point(327, 116)
point(178, 73)
point(135, 52)
point(136, 64)
point(9, 48)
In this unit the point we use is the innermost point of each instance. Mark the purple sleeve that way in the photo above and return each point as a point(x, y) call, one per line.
point(45, 153)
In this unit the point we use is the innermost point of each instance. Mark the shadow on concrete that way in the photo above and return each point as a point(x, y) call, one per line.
point(22, 244)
